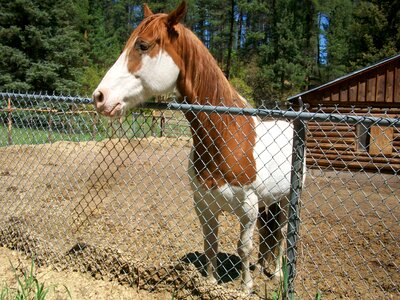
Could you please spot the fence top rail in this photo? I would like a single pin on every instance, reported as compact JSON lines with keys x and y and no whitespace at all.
{"x":46,"y":97}
{"x":279,"y":114}
{"x":261,"y":112}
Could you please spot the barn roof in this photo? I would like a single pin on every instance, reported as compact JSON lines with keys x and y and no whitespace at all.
{"x":354,"y":76}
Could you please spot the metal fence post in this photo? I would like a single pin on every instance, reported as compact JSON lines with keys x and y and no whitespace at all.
{"x":298,"y":158}
{"x":95,"y":125}
{"x":9,"y":122}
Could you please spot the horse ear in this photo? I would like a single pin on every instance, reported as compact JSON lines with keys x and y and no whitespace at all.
{"x":178,"y":14}
{"x":147,"y":11}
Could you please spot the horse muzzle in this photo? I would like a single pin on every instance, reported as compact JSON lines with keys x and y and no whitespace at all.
{"x":104,"y":106}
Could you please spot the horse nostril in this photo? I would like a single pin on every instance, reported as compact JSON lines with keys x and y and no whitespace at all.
{"x":98,"y":97}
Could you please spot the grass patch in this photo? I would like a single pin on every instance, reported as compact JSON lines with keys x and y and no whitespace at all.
{"x":24,"y":136}
{"x":282,"y":292}
{"x":33,"y":129}
{"x":28,"y":287}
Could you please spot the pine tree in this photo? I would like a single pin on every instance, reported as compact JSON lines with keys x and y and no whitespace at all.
{"x":375,"y":32}
{"x":269,"y":49}
{"x":282,"y":66}
{"x":339,"y":13}
{"x":41,"y":47}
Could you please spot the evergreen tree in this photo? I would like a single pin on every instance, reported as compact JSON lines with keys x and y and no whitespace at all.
{"x":41,"y":47}
{"x":358,"y":34}
{"x":375,"y":32}
{"x":111,"y":23}
{"x":283,"y":68}
{"x":339,"y":14}
{"x":269,"y":49}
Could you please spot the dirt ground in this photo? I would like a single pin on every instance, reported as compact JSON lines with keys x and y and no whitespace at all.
{"x":116,"y":218}
{"x":82,"y":286}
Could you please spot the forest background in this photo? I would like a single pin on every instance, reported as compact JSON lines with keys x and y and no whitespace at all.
{"x":268,"y":49}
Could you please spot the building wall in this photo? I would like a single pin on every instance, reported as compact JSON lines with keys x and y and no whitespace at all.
{"x":354,"y":147}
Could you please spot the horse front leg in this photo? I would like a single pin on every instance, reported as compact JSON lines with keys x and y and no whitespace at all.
{"x":210,"y":224}
{"x":248,"y":221}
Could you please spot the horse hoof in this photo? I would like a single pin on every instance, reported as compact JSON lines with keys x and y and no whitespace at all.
{"x":259,"y":269}
{"x":212,"y":280}
{"x":247,"y":289}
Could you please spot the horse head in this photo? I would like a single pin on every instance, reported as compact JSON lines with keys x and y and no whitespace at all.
{"x":148,"y":65}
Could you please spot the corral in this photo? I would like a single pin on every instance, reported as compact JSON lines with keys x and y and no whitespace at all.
{"x":121,"y":209}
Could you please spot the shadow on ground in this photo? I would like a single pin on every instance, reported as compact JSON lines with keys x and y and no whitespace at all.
{"x":229,"y":265}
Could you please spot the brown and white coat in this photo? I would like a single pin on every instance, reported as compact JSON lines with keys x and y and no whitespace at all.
{"x":238,"y":163}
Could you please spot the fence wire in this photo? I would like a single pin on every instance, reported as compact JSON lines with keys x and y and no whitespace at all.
{"x":113,"y":199}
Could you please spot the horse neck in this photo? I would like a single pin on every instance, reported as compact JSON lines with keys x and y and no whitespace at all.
{"x":201,"y":80}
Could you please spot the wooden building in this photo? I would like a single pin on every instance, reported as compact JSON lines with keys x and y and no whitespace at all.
{"x":373,"y":91}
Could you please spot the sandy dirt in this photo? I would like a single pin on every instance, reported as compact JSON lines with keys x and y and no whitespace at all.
{"x":117,"y":217}
{"x":13,"y":264}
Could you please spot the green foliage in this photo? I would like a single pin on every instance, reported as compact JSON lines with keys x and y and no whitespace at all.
{"x":28,"y":287}
{"x":41,"y":47}
{"x":269,"y":49}
{"x":318,"y":295}
{"x":373,"y":31}
{"x":282,"y":291}
{"x":243,"y":88}
{"x":90,"y":78}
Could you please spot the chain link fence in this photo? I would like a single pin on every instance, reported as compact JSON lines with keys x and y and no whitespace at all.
{"x":113,"y":199}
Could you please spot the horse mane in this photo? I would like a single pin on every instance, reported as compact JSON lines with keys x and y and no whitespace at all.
{"x":223,"y":142}
{"x":203,"y":81}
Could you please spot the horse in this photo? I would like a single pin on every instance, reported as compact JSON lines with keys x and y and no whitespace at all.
{"x":238,"y":163}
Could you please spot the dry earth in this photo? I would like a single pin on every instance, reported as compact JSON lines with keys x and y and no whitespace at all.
{"x":117,"y":217}
{"x":80,"y":285}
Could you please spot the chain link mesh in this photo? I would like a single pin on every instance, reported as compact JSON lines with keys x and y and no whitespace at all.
{"x":113,"y":199}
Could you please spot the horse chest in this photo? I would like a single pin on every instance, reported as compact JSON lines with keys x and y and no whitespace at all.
{"x":223,"y":149}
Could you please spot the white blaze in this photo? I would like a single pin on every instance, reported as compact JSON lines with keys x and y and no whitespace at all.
{"x":123,"y":90}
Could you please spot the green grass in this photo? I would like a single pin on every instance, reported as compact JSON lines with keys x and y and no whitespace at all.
{"x":22,"y":136}
{"x":139,"y":128}
{"x":28,"y":287}
{"x":33,"y":128}
{"x":282,"y":292}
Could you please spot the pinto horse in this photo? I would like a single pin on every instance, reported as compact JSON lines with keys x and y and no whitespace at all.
{"x":237,"y":164}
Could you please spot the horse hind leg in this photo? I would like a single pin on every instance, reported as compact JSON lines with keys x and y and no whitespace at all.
{"x":271,"y":247}
{"x":248,"y":220}
{"x":264,"y":233}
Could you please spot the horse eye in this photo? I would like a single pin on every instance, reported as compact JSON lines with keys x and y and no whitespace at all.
{"x":142,"y":46}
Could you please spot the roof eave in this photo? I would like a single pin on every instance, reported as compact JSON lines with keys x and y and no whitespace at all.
{"x":337,"y":80}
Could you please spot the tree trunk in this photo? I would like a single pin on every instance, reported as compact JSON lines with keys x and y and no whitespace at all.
{"x":240,"y":29}
{"x":230,"y":43}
